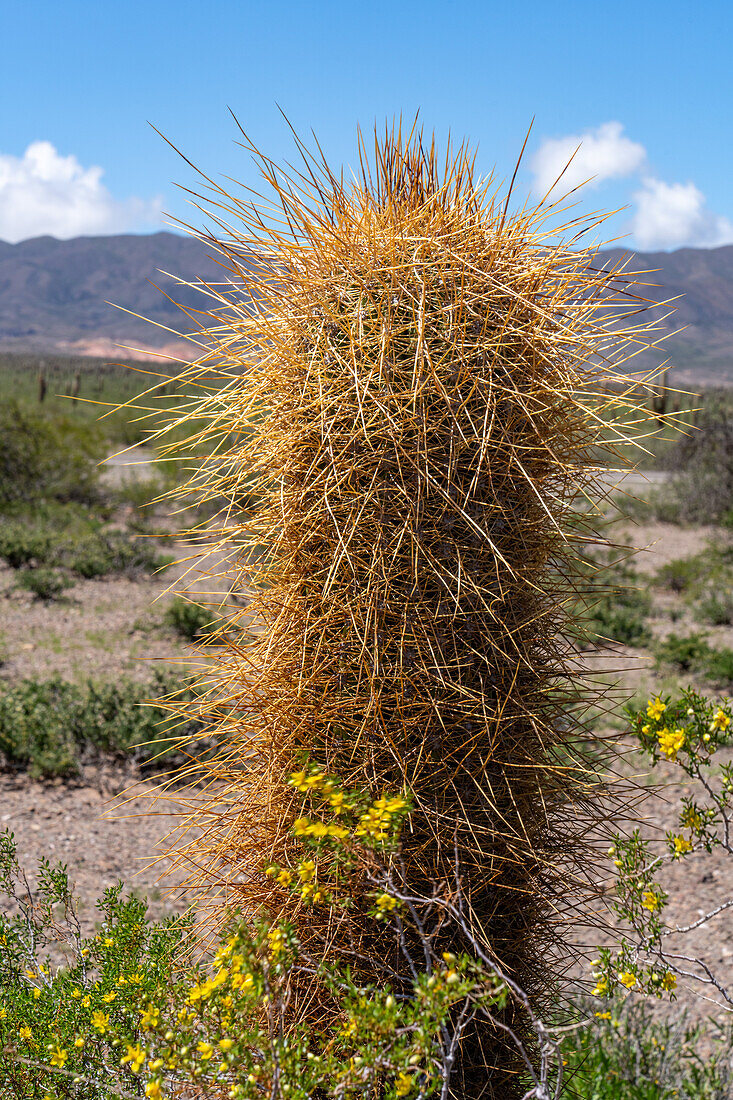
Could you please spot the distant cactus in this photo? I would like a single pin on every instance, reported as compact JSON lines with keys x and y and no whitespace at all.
{"x":660,"y":399}
{"x":410,"y":404}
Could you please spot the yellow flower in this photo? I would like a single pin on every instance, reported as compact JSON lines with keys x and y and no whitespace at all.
{"x":277,"y":942}
{"x":336,"y":801}
{"x":150,"y":1017}
{"x":601,"y":988}
{"x":603,"y":1015}
{"x":650,"y":901}
{"x":25,"y":1033}
{"x":307,"y":870}
{"x":100,"y":1020}
{"x":681,"y":845}
{"x":3,"y":1013}
{"x":385,"y":903}
{"x":284,"y":878}
{"x":76,"y":993}
{"x":200,"y":992}
{"x":108,"y":942}
{"x":152,"y":1091}
{"x":135,"y":1056}
{"x":36,"y":993}
{"x":226,"y":1044}
{"x":109,"y":997}
{"x":59,"y":1057}
{"x":242,"y":981}
{"x":627,"y":978}
{"x":656,"y":708}
{"x":671,"y":741}
{"x":669,"y":981}
{"x":79,"y":1042}
{"x":720,"y":721}
{"x":86,"y":1001}
{"x":404,"y":1084}
{"x":205,"y":1050}
{"x":300,"y":826}
{"x":690,"y":818}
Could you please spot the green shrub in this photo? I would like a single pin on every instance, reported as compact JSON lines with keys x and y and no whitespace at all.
{"x":702,"y":462}
{"x":684,"y":651}
{"x":71,"y":537}
{"x":47,"y":456}
{"x":718,"y":667}
{"x":692,"y":653}
{"x":682,"y":574}
{"x":190,"y":620}
{"x":615,"y":607}
{"x":49,"y":726}
{"x":631,"y":1055}
{"x":45,"y":584}
{"x":101,"y":554}
{"x":21,"y":544}
{"x":716,"y":608}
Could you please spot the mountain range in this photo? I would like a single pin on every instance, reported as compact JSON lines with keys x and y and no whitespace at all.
{"x":54,"y":295}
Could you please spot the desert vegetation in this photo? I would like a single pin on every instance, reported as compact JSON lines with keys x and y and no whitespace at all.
{"x":410,"y":787}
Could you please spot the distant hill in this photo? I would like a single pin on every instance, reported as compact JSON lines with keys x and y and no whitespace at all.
{"x":703,"y":353}
{"x":53,"y":296}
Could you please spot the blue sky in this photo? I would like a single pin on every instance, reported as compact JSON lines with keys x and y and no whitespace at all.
{"x":648,"y":86}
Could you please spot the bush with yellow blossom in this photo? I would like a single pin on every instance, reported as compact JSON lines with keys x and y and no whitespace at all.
{"x":127,"y":1013}
{"x":690,"y":732}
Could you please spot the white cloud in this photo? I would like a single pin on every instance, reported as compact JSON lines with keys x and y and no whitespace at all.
{"x":671,"y":215}
{"x":43,"y":192}
{"x":604,"y":153}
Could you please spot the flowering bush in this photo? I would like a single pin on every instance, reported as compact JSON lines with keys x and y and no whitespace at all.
{"x":690,"y":732}
{"x":127,"y":1012}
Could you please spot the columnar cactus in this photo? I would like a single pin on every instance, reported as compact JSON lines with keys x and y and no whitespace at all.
{"x":402,"y":420}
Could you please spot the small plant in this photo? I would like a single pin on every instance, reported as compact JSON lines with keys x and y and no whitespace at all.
{"x":716,"y":608}
{"x":689,"y":732}
{"x":126,"y":1013}
{"x":628,"y":1054}
{"x":47,"y":457}
{"x":682,"y":574}
{"x":49,"y":726}
{"x":619,"y":613}
{"x":101,"y":554}
{"x":188,"y":619}
{"x":702,"y":462}
{"x":45,"y":584}
{"x":22,"y":545}
{"x":692,"y":653}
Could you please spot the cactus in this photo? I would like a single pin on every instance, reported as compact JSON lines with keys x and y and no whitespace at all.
{"x":402,"y":422}
{"x":660,"y":399}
